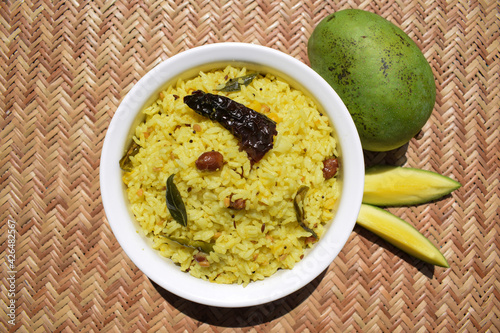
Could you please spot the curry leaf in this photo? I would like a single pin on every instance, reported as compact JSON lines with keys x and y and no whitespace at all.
{"x":175,"y":204}
{"x":235,"y":84}
{"x":195,"y":244}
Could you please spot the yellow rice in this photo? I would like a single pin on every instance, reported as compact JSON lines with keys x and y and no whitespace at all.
{"x":253,"y":243}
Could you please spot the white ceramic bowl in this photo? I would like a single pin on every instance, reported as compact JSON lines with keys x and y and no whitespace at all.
{"x":161,"y":270}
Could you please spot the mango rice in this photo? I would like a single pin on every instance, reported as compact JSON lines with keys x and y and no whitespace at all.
{"x":246,"y":244}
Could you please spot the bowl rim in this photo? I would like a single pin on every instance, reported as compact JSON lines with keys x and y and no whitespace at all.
{"x":161,"y":270}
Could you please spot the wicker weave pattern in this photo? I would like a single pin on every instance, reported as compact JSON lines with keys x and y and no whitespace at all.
{"x":66,"y":65}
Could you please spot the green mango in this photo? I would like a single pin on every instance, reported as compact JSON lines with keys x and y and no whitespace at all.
{"x":378,"y":71}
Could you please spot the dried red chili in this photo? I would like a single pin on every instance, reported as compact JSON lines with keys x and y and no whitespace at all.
{"x":254,"y":130}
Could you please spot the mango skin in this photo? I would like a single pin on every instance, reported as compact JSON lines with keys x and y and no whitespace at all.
{"x":380,"y":74}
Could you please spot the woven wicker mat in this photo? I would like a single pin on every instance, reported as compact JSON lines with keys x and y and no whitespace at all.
{"x":66,"y":65}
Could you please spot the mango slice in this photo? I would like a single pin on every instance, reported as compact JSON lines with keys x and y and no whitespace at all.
{"x":398,"y":186}
{"x":400,"y":234}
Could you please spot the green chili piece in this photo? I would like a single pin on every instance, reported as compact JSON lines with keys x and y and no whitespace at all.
{"x":125,"y":162}
{"x":298,"y":204}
